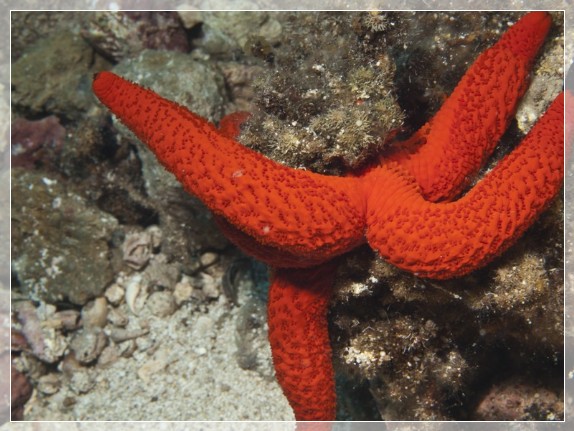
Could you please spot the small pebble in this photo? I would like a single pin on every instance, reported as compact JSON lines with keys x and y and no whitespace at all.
{"x":119,"y":335}
{"x":127,"y":348}
{"x":161,"y":304}
{"x":49,"y":384}
{"x":200,"y":351}
{"x":95,"y":313}
{"x":45,"y":339}
{"x":208,"y":258}
{"x":210,"y":286}
{"x":118,"y":318}
{"x":190,"y":18}
{"x":114,"y":294}
{"x":18,"y":341}
{"x":136,"y":293}
{"x":108,"y":356}
{"x":136,"y":249}
{"x":183,"y":291}
{"x":88,"y":344}
{"x":69,"y":365}
{"x":70,"y":319}
{"x":156,"y":236}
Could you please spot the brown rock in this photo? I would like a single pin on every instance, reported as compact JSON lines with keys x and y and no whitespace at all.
{"x":20,"y":393}
{"x":517,"y":400}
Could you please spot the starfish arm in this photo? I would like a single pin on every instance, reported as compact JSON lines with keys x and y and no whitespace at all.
{"x":451,"y":148}
{"x":299,"y":338}
{"x":230,"y":126}
{"x":445,"y":240}
{"x":303,"y":213}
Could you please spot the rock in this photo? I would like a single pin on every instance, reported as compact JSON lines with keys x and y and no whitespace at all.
{"x":36,"y":143}
{"x":210,"y":285}
{"x":95,"y":313}
{"x":301,"y":116}
{"x":136,"y":288}
{"x":54,"y":76}
{"x":239,"y":78}
{"x":88,"y":344}
{"x":59,"y":241}
{"x":196,"y":84}
{"x":18,"y":342}
{"x":136,"y":249}
{"x":161,"y":304}
{"x":118,"y":34}
{"x":190,"y":18}
{"x":183,"y":291}
{"x":119,"y":335}
{"x":21,"y":391}
{"x":516,"y":400}
{"x":106,"y":170}
{"x":118,"y":318}
{"x":208,"y":258}
{"x":160,"y":273}
{"x":226,"y":32}
{"x":156,"y":237}
{"x":70,"y":364}
{"x":49,"y":384}
{"x":108,"y":356}
{"x":251,"y":338}
{"x":114,"y":294}
{"x":45,"y":340}
{"x":28,"y":27}
{"x":545,"y":85}
{"x":88,"y":150}
{"x":127,"y":348}
{"x":69,"y":319}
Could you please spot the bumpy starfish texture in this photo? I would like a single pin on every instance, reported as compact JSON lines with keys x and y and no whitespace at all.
{"x":402,"y":205}
{"x":465,"y":131}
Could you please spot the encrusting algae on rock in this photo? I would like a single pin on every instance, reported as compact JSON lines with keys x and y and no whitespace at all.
{"x":317,"y":109}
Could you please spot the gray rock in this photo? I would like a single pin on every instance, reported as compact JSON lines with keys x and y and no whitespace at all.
{"x":59,"y":241}
{"x":87,"y":344}
{"x":226,"y":32}
{"x":54,"y":76}
{"x":121,"y":34}
{"x":46,"y":342}
{"x":161,"y":304}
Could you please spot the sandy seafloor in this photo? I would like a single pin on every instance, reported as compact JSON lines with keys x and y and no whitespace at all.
{"x":193,"y":375}
{"x":220,"y":390}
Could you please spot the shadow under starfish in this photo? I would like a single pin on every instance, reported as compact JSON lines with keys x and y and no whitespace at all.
{"x":300,"y":222}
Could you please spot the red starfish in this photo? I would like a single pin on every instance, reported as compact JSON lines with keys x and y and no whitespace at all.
{"x":291,"y":218}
